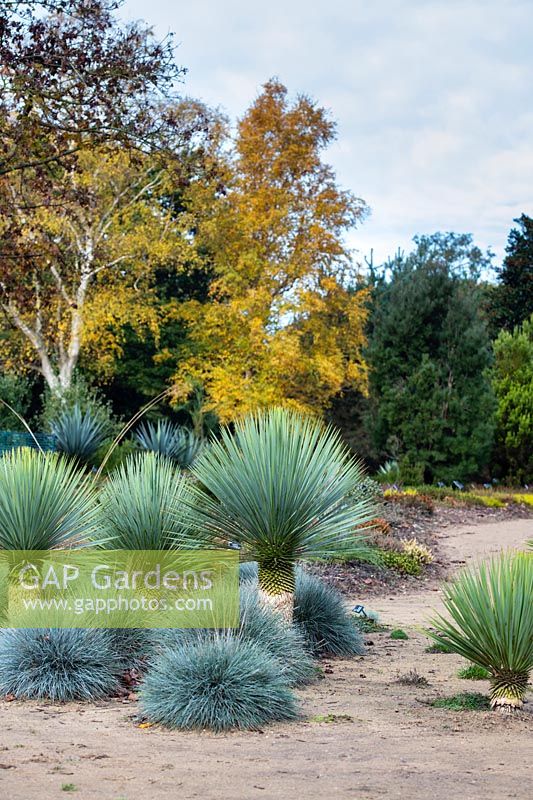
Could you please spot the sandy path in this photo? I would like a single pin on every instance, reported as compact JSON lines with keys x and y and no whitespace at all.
{"x":385,"y":739}
{"x":460,"y":546}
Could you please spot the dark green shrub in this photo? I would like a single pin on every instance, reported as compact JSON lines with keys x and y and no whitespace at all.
{"x":473,"y":672}
{"x":398,"y":634}
{"x":16,"y":391}
{"x":468,"y":701}
{"x":119,"y":455}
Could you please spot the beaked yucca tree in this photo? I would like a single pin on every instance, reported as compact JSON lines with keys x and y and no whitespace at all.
{"x":173,"y":441}
{"x":45,"y":502}
{"x":281,"y":486}
{"x":142,"y":503}
{"x":492,"y":623}
{"x":79,"y":433}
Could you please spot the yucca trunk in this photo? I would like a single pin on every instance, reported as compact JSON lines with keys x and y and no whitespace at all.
{"x":276,"y":587}
{"x":507,"y":690}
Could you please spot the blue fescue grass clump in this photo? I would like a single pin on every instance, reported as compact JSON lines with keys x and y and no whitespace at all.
{"x":219,"y":682}
{"x":284,"y":642}
{"x":321,"y":615}
{"x":57,"y":663}
{"x":131,"y":645}
{"x":248,"y":571}
{"x":258,"y":623}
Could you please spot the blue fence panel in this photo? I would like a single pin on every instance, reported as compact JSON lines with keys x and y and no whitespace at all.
{"x":11,"y":440}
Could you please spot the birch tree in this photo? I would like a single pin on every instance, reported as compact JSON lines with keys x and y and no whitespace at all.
{"x":81,"y":258}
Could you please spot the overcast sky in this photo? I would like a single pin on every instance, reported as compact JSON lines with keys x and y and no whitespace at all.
{"x":433,"y":98}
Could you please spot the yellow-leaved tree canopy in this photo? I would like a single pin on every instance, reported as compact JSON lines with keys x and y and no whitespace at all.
{"x":284,"y":320}
{"x":80,"y":248}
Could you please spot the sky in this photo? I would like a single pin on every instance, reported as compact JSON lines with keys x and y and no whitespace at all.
{"x":433,"y":99}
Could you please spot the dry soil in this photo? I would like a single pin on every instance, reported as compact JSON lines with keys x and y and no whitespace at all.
{"x":362,"y":735}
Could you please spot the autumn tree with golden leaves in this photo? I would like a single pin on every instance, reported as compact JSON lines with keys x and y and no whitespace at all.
{"x":284,"y":322}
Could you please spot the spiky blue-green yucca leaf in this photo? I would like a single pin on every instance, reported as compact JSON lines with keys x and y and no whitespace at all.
{"x":491,"y":625}
{"x":220,"y":682}
{"x":78,"y":433}
{"x":281,"y":485}
{"x":320,"y":613}
{"x":57,"y":663}
{"x":142,"y":504}
{"x":173,"y":441}
{"x":45,"y":502}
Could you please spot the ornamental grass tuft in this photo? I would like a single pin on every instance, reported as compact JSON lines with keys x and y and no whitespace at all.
{"x":280,"y":639}
{"x":219,"y":682}
{"x":57,"y":663}
{"x":321,"y":615}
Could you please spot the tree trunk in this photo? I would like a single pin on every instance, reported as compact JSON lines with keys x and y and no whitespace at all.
{"x":276,"y":588}
{"x":507,"y":690}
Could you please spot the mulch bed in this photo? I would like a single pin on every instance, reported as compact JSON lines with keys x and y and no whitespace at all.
{"x":407,"y":522}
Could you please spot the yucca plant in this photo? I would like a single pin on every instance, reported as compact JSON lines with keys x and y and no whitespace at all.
{"x":79,"y":434}
{"x":492,"y":623}
{"x":45,"y":502}
{"x":281,"y":486}
{"x":142,"y":504}
{"x":173,"y":441}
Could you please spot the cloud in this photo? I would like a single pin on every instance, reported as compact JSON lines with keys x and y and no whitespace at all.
{"x":432,"y":98}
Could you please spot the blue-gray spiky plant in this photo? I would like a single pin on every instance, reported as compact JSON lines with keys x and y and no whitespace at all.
{"x":219,"y":682}
{"x":57,"y":663}
{"x":45,"y":502}
{"x":282,"y":486}
{"x":173,"y":441}
{"x":142,"y":504}
{"x":79,"y":433}
{"x":320,"y":613}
